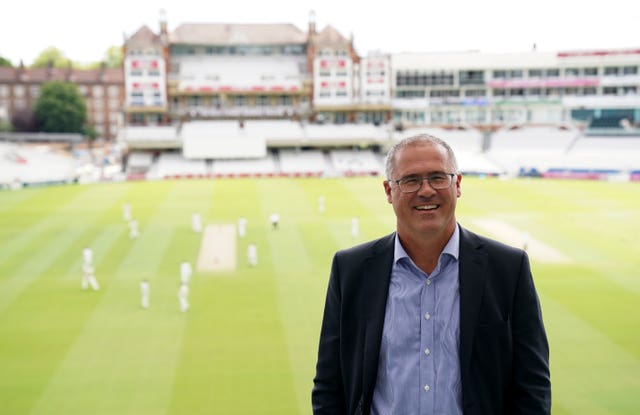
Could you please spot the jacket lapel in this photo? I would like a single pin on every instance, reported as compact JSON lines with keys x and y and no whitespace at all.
{"x":472,"y":275}
{"x":377,"y":274}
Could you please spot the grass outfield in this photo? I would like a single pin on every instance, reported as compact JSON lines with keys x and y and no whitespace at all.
{"x":248,"y":344}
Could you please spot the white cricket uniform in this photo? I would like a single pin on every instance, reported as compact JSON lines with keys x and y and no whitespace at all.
{"x":355,"y":227}
{"x":183,"y":297}
{"x":185,"y":272}
{"x":242,"y":227}
{"x":145,"y":294}
{"x":133,"y":229}
{"x":89,"y":278}
{"x":252,"y":254}
{"x":87,"y":255}
{"x":196,"y":223}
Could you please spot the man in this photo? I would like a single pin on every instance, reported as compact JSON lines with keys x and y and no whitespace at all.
{"x":133,"y":229}
{"x":87,"y":255}
{"x":252,"y":254}
{"x":432,"y":319}
{"x":242,"y":227}
{"x":183,"y":296}
{"x":355,"y":227}
{"x":145,"y":293}
{"x":185,"y":272}
{"x":196,"y":223}
{"x":275,"y":219}
{"x":88,"y":277}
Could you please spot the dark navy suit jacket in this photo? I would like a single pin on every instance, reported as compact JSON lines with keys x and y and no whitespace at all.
{"x":504,"y":354}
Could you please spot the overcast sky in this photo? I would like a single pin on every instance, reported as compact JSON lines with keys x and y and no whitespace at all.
{"x":84,"y":30}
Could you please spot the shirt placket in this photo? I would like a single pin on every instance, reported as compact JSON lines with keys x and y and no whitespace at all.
{"x":427,"y":338}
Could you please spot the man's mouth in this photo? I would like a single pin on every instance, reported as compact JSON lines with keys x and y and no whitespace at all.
{"x":426,"y":207}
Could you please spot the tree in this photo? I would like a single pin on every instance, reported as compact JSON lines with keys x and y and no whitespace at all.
{"x":60,"y":108}
{"x":113,"y":57}
{"x":51,"y":56}
{"x":5,"y":62}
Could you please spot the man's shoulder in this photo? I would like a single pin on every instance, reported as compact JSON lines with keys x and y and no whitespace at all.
{"x":371,"y":247}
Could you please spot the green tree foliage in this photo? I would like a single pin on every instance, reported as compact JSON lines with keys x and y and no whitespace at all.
{"x":5,"y":62}
{"x":113,"y":57}
{"x":60,"y":108}
{"x":51,"y":55}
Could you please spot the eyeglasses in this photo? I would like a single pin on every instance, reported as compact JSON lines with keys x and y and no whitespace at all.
{"x":412,"y":184}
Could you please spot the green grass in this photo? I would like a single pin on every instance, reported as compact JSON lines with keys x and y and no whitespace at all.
{"x":248,"y":344}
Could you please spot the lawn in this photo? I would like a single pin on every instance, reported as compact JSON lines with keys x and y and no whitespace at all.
{"x":248,"y":343}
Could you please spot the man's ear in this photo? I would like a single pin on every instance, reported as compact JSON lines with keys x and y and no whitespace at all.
{"x":387,"y":190}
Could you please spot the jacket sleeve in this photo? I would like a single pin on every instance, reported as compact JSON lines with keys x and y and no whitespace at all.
{"x":531,"y":376}
{"x":327,"y":396}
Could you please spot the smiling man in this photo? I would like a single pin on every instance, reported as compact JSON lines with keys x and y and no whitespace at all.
{"x":431,"y":319}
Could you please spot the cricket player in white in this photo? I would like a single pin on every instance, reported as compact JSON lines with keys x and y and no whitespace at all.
{"x":185,"y":272}
{"x":355,"y":227}
{"x":242,"y":227}
{"x":274,"y":218}
{"x":126,"y":212}
{"x":145,"y":293}
{"x":321,"y":207}
{"x":183,"y":297}
{"x":88,"y":277}
{"x":87,"y":255}
{"x":133,"y":229}
{"x":252,"y":254}
{"x":196,"y":223}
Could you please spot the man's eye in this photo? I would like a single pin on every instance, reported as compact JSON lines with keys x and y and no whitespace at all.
{"x":410,"y":181}
{"x":437,"y":178}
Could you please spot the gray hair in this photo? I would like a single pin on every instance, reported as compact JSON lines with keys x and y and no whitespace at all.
{"x":420,"y":139}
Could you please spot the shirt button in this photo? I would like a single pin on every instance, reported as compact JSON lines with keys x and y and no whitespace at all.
{"x":427,"y":351}
{"x":427,"y":316}
{"x":427,"y":388}
{"x":428,"y":282}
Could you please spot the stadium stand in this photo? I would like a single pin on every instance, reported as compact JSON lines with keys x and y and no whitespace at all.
{"x":174,"y":166}
{"x":303,"y":163}
{"x":244,"y":167}
{"x":354,"y":163}
{"x":26,"y":165}
{"x":532,"y":150}
{"x":467,"y":144}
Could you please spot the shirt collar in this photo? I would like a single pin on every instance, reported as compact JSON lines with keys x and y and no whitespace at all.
{"x":452,"y":247}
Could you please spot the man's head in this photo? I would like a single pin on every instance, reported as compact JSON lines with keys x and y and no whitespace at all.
{"x":423,"y":184}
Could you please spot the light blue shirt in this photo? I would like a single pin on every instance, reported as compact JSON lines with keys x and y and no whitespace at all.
{"x":419,"y":367}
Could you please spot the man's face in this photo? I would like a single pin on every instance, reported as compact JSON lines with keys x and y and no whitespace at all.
{"x":427,"y":212}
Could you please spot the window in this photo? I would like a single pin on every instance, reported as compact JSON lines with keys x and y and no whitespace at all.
{"x":553,"y":73}
{"x":285,"y":100}
{"x":591,"y":71}
{"x":611,"y":70}
{"x":535,"y":73}
{"x":610,"y":90}
{"x":498,"y":92}
{"x":499,"y":74}
{"x":629,"y":70}
{"x":475,"y":93}
{"x":97,"y":90}
{"x":471,"y":77}
{"x":572,"y":72}
{"x":4,"y":90}
{"x":18,"y":90}
{"x":113,"y":90}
